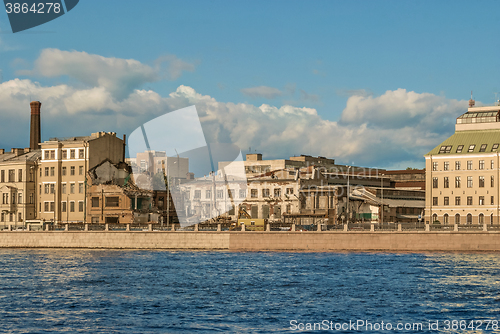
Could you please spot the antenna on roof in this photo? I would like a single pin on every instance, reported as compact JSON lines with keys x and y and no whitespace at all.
{"x":471,"y":101}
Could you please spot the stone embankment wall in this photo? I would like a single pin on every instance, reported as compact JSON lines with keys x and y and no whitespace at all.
{"x":258,"y":241}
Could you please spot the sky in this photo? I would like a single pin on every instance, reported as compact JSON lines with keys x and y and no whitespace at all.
{"x":369,"y":83}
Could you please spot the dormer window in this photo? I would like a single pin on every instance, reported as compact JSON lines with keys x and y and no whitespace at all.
{"x":460,"y":148}
{"x":471,"y":148}
{"x":483,"y":148}
{"x":445,"y":149}
{"x":495,"y":147}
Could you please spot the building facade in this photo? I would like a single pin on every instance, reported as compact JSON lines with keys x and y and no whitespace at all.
{"x":62,"y":173}
{"x":17,"y":186}
{"x":462,"y":173}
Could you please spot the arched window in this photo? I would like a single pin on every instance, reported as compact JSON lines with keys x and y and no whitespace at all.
{"x":457,"y":218}
{"x":491,"y":219}
{"x":469,"y":218}
{"x":434,"y":217}
{"x":481,"y":218}
{"x":445,"y":218}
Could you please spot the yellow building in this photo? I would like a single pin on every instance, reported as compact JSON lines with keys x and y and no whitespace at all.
{"x":17,"y":186}
{"x":62,"y":173}
{"x":462,"y":173}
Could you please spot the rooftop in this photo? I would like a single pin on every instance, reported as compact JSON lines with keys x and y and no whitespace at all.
{"x":469,"y":142}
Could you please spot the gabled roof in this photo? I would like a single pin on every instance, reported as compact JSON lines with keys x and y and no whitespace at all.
{"x":468,"y":138}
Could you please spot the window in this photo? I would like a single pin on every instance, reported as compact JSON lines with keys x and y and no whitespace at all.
{"x":469,"y":218}
{"x":277,"y":192}
{"x":243,"y":193}
{"x":481,"y":218}
{"x":481,"y":200}
{"x":80,"y":206}
{"x":112,"y":202}
{"x":483,"y":148}
{"x":80,"y":170}
{"x":434,"y":182}
{"x":469,"y":181}
{"x":492,"y":200}
{"x":434,"y":201}
{"x":46,"y":171}
{"x":95,"y":202}
{"x":471,"y":148}
{"x":220,"y":194}
{"x":494,"y":147}
{"x":445,"y":149}
{"x":265,"y":192}
{"x":52,"y":188}
{"x":457,"y":181}
{"x":446,"y":182}
{"x":47,"y":155}
{"x":435,"y":166}
{"x":457,"y":218}
{"x":446,"y":201}
{"x":197,"y":194}
{"x":2,"y":175}
{"x":20,"y":175}
{"x":289,"y":191}
{"x":5,"y":198}
{"x":481,"y":164}
{"x":446,"y":165}
{"x":13,"y":198}
{"x":63,"y":206}
{"x":457,"y":165}
{"x":72,"y":156}
{"x":71,"y":206}
{"x":491,"y":219}
{"x":2,"y":217}
{"x":469,"y":200}
{"x":492,"y":164}
{"x":20,"y":199}
{"x":460,"y":148}
{"x":72,"y":170}
{"x":434,"y":217}
{"x":12,"y":175}
{"x":52,"y":171}
{"x":445,"y":218}
{"x":457,"y":200}
{"x":63,"y":188}
{"x":253,"y":193}
{"x":232,"y":194}
{"x":64,"y":154}
{"x":80,"y":188}
{"x":31,"y":198}
{"x":81,"y":154}
{"x":208,"y":194}
{"x":72,"y":188}
{"x":469,"y":164}
{"x":47,"y":188}
{"x":492,"y":181}
{"x":49,"y":206}
{"x":481,"y":182}
{"x":63,"y":171}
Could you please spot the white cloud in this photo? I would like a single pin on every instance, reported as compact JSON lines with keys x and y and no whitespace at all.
{"x":262,"y":91}
{"x":117,"y":76}
{"x":386,"y":130}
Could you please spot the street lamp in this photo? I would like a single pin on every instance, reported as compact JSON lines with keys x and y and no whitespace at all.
{"x":382,"y":199}
{"x":348,"y":172}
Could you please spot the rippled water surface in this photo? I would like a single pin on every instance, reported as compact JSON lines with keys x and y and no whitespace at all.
{"x":108,"y":291}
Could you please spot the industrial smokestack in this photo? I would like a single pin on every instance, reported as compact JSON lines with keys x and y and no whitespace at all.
{"x":35,"y":133}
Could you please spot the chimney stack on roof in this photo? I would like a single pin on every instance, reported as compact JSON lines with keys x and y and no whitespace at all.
{"x":35,"y":132}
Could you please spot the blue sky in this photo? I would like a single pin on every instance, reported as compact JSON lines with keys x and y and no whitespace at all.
{"x":374,"y":83}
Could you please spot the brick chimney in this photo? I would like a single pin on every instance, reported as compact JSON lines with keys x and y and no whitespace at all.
{"x":35,"y":133}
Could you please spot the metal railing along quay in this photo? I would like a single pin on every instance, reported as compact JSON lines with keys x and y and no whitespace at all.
{"x":269,"y":227}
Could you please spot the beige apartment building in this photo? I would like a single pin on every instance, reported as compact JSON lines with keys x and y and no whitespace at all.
{"x":462,"y":178}
{"x":62,"y":173}
{"x":17,"y":186}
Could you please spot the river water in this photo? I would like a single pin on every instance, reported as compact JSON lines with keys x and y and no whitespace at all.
{"x":115,"y":291}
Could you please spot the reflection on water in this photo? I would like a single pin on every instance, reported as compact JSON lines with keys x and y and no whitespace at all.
{"x":108,"y":291}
